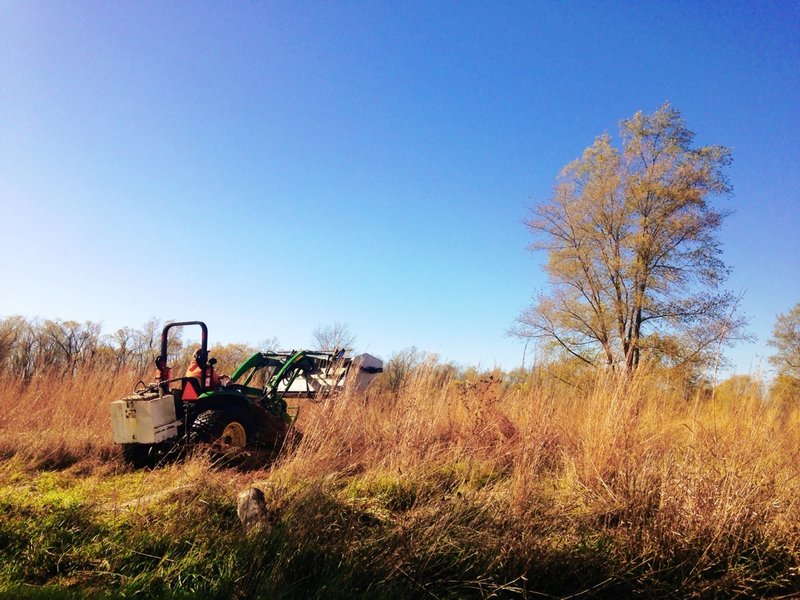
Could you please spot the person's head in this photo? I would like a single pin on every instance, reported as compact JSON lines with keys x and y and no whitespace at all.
{"x":198,"y":358}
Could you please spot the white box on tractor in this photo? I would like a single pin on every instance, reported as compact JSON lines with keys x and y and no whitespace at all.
{"x":137,"y":420}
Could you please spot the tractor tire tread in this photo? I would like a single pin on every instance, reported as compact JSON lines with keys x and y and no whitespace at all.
{"x":209,"y":425}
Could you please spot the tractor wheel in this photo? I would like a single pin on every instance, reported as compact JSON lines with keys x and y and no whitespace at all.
{"x":225,"y":429}
{"x":137,"y":455}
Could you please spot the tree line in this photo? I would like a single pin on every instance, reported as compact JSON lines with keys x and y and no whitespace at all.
{"x":66,"y":347}
{"x":29,"y":346}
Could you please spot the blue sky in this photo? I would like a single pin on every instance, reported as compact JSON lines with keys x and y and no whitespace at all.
{"x":271,"y":167}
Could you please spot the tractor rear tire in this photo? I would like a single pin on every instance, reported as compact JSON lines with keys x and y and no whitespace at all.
{"x":137,"y":455}
{"x":225,"y":429}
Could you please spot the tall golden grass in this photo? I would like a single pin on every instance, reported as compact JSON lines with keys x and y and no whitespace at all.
{"x":56,"y":419}
{"x":671,"y":491}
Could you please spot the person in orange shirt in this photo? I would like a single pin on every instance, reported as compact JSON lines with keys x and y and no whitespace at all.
{"x":196,"y":371}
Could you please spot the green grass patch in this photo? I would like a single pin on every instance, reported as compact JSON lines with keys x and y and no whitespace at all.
{"x":449,"y":531}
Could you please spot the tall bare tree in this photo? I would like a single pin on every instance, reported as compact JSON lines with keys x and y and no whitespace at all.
{"x":632,"y":253}
{"x":333,"y":337}
{"x":121,"y":343}
{"x":20,"y":341}
{"x":69,"y":343}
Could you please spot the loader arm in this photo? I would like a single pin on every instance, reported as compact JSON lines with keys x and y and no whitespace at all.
{"x":288,"y":372}
{"x":287,"y":367}
{"x":255,"y":362}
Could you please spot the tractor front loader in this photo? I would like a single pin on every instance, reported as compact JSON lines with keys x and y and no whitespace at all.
{"x":248,"y":410}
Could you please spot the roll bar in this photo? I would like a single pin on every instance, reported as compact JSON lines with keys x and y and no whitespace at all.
{"x":202,"y":358}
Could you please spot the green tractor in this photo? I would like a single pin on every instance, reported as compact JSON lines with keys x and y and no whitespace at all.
{"x":246,"y":411}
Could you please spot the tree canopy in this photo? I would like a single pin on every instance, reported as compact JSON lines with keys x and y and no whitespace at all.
{"x":786,"y":341}
{"x":633,"y":257}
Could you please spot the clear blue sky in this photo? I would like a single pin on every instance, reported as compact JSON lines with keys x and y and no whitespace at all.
{"x":273,"y":166}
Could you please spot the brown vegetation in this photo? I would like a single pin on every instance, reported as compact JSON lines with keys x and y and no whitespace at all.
{"x":473,"y":484}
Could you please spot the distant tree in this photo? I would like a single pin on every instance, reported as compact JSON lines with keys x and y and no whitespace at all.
{"x":122,"y":343}
{"x":146,"y":345}
{"x":10,"y":331}
{"x":333,"y":337}
{"x":69,"y":343}
{"x":632,"y":253}
{"x":230,"y":356}
{"x":268,"y":345}
{"x":785,"y":388}
{"x":786,"y":341}
{"x":400,"y":366}
{"x":21,"y":345}
{"x":738,"y":387}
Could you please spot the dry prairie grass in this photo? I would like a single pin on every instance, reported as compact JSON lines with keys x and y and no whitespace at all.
{"x":54,"y":420}
{"x":479,"y":488}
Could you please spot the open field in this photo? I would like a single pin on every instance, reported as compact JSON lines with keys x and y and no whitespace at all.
{"x":431,"y":487}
